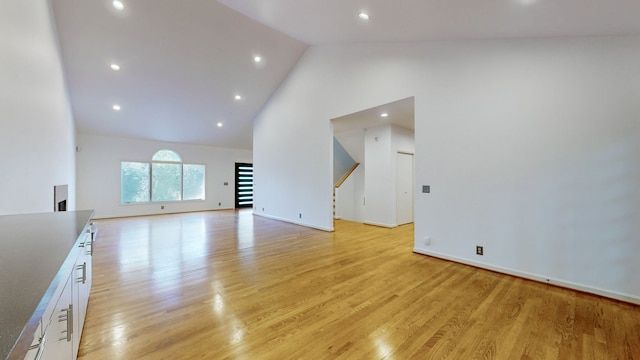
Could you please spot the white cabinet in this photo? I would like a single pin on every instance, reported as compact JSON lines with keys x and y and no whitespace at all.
{"x":60,"y":330}
{"x":81,"y":288}
{"x":37,"y":345}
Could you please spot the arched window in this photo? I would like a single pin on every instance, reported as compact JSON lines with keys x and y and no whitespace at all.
{"x":166,"y":155}
{"x":166,"y":178}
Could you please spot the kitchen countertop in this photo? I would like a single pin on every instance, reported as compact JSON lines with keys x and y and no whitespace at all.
{"x":33,"y":249}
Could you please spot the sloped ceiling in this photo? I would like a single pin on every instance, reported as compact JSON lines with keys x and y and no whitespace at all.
{"x":181,"y":65}
{"x":183,"y":61}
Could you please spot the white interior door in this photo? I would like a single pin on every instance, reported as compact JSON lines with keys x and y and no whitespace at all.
{"x":404,"y":188}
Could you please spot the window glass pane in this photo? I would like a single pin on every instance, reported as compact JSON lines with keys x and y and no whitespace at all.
{"x":193,"y":182}
{"x":167,"y":182}
{"x":166,"y":155}
{"x":134,"y":182}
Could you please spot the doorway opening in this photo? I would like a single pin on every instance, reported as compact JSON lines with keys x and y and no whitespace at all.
{"x":381,"y":139}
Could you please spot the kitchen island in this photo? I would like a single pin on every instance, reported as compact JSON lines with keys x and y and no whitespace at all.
{"x":45,"y":261}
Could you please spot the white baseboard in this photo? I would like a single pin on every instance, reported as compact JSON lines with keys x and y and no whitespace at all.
{"x":390,"y":226}
{"x":557,"y":282}
{"x":292,"y":221}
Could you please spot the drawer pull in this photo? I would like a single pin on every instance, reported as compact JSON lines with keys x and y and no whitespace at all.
{"x":83,"y":278}
{"x":68,"y":317}
{"x":40,"y":347}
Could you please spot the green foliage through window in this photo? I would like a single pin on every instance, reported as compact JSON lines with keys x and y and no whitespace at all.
{"x":166,"y":178}
{"x":135,"y":181}
{"x":166,"y":183}
{"x":193,"y":177}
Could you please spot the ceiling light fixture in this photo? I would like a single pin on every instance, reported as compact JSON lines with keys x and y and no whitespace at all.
{"x":363,"y":15}
{"x":116,"y":107}
{"x":219,"y":124}
{"x":384,"y":115}
{"x":118,"y":4}
{"x":257,"y":59}
{"x":115,"y":67}
{"x":238,"y":97}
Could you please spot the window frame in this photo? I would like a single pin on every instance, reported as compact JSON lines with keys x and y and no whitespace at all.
{"x":150,"y":176}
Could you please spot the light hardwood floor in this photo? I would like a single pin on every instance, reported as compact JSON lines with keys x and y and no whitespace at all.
{"x":228,"y":285}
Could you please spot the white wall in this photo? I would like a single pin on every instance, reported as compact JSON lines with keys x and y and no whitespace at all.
{"x":353,"y":143}
{"x":402,"y":141}
{"x":342,"y":161}
{"x":379,"y":178}
{"x":531,"y":149}
{"x":98,"y":180}
{"x":36,"y":125}
{"x":382,"y":144}
{"x":350,"y":197}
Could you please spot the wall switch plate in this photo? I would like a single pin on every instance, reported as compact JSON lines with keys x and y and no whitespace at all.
{"x":426,"y":189}
{"x":226,"y":183}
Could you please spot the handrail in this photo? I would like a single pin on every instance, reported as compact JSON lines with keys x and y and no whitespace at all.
{"x":346,"y":175}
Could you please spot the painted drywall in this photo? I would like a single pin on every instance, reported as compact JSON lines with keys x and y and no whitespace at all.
{"x":379,"y":177}
{"x":342,"y":161}
{"x":531,"y":149}
{"x":37,"y":131}
{"x":99,"y":159}
{"x":381,"y":144}
{"x":402,"y":141}
{"x":353,"y":143}
{"x":350,"y":197}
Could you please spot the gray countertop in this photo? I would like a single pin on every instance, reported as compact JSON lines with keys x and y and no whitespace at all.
{"x":33,"y":248}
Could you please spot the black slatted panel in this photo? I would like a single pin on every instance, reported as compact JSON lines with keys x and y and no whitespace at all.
{"x":244,"y":185}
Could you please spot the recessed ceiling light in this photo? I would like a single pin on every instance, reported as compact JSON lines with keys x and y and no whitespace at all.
{"x":118,"y":4}
{"x":257,"y":58}
{"x":219,"y":124}
{"x":363,"y":15}
{"x":384,"y":115}
{"x":238,"y":97}
{"x":116,"y":107}
{"x":115,"y":67}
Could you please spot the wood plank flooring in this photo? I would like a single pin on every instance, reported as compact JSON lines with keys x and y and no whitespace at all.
{"x":228,"y":285}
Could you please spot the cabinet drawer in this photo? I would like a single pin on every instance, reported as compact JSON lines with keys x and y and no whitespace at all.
{"x":37,"y":345}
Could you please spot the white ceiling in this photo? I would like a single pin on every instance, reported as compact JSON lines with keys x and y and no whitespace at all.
{"x":182,"y":61}
{"x":399,"y":113}
{"x":349,"y":129}
{"x":335,"y":21}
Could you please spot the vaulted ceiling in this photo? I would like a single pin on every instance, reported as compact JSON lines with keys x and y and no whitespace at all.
{"x":182,"y":62}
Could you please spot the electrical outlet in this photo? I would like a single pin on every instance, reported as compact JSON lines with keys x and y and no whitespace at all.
{"x":427,"y":240}
{"x":219,"y":204}
{"x":300,"y":215}
{"x":479,"y":250}
{"x":161,"y":207}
